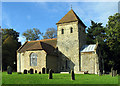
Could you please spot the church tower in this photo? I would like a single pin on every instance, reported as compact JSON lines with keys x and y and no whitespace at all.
{"x":70,"y":38}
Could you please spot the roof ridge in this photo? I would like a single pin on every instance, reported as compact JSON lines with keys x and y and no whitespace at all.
{"x":42,"y":40}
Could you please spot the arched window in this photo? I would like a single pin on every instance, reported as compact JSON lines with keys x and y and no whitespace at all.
{"x":71,"y":30}
{"x":33,"y":59}
{"x":62,"y":31}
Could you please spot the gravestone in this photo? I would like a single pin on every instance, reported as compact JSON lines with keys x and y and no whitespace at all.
{"x":72,"y":75}
{"x":25,"y":71}
{"x":50,"y":74}
{"x":43,"y":70}
{"x":39,"y":72}
{"x":35,"y":71}
{"x":9,"y":70}
{"x":31,"y":71}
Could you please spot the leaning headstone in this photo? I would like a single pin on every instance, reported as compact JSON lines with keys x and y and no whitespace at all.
{"x":39,"y":72}
{"x":35,"y":71}
{"x":25,"y":71}
{"x":9,"y":70}
{"x":43,"y":70}
{"x":50,"y":74}
{"x":31,"y":71}
{"x":72,"y":75}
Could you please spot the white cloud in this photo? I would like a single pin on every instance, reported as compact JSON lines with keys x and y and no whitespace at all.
{"x":21,"y":39}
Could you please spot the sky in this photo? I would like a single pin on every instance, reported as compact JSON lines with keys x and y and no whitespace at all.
{"x":21,"y":16}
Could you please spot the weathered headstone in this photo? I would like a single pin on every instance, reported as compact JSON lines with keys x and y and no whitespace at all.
{"x":50,"y":74}
{"x":35,"y":71}
{"x":25,"y":71}
{"x":9,"y":70}
{"x":43,"y":70}
{"x":72,"y":75}
{"x":31,"y":71}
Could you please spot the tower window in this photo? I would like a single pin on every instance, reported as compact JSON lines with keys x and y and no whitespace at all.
{"x":62,"y":31}
{"x":71,"y":30}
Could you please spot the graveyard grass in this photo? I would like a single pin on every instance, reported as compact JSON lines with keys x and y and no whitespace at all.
{"x":16,"y":78}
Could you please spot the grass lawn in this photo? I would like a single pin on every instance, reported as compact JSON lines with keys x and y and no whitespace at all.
{"x":16,"y":78}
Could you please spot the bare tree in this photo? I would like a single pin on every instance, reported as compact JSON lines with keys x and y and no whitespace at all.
{"x":50,"y":33}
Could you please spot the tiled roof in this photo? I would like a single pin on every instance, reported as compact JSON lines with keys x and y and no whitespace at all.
{"x":88,"y":48}
{"x":69,"y":17}
{"x":47,"y":45}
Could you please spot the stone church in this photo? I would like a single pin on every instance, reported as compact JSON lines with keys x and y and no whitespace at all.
{"x":62,"y":54}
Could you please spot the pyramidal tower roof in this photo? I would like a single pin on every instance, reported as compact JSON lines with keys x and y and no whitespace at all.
{"x":70,"y":17}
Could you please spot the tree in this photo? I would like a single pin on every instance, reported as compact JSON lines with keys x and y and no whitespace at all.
{"x":95,"y":33}
{"x":10,"y":45}
{"x":50,"y":33}
{"x":113,"y":39}
{"x":9,"y":32}
{"x":32,"y":34}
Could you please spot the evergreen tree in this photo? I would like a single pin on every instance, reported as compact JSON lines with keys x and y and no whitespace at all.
{"x":10,"y":45}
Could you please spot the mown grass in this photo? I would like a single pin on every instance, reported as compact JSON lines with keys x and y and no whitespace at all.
{"x":16,"y":78}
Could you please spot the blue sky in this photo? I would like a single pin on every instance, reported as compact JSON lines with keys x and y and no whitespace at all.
{"x":42,"y":15}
